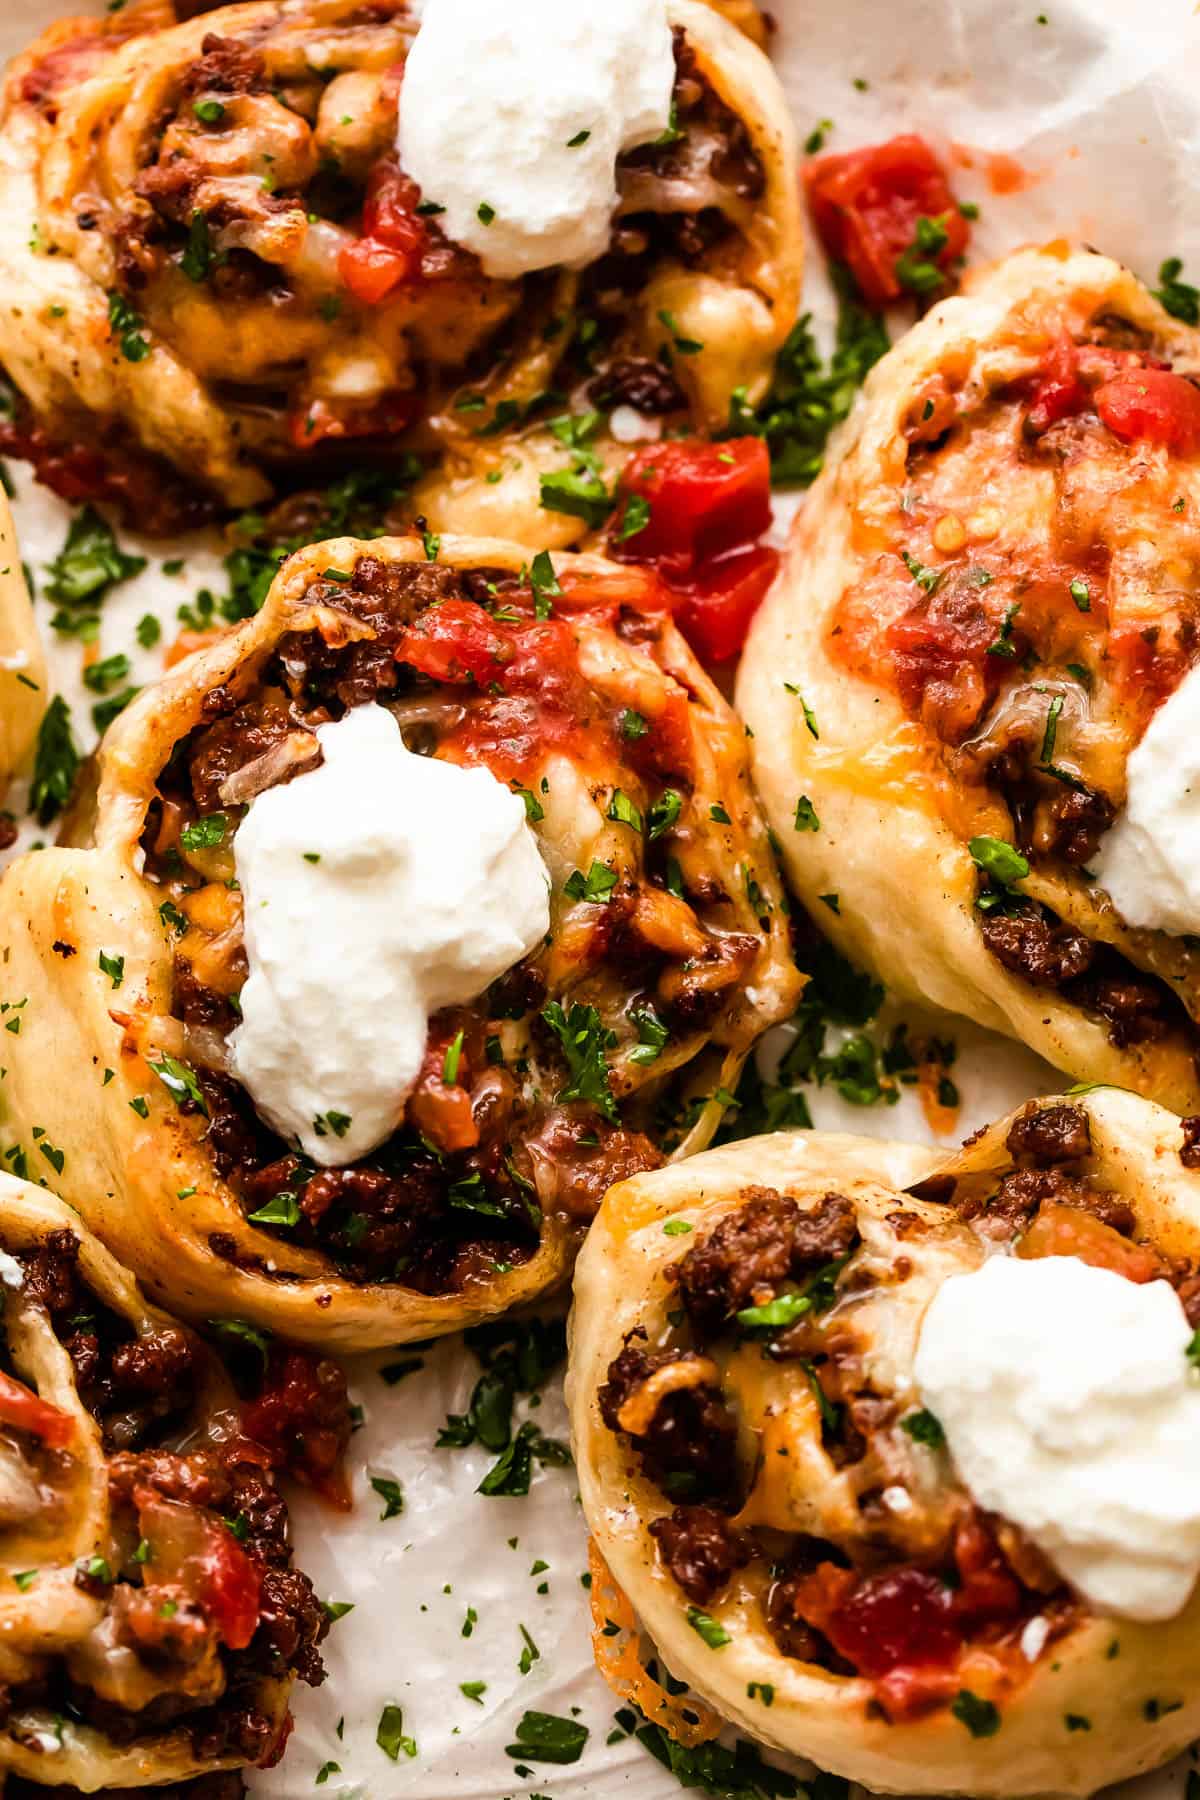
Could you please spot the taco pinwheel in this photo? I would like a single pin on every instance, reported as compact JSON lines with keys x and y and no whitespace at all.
{"x":987,"y":603}
{"x":621,"y":1030}
{"x":208,"y":214}
{"x":763,"y":1477}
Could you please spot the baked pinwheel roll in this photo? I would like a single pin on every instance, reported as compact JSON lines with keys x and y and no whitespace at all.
{"x":153,"y":1625}
{"x":971,"y":691}
{"x":22,"y":667}
{"x":211,"y":216}
{"x":417,"y":911}
{"x":894,"y":1458}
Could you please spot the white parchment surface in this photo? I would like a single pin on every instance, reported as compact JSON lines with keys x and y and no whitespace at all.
{"x":1087,"y":117}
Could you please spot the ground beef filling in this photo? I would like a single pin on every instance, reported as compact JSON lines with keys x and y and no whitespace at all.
{"x":708,"y":144}
{"x":144,"y":1392}
{"x":745,"y":1259}
{"x":687,"y":1446}
{"x":1049,"y":1204}
{"x":1048,"y":953}
{"x":903,"y":1624}
{"x":431,"y":1216}
{"x":136,"y":1387}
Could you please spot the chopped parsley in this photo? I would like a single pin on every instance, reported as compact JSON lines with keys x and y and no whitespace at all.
{"x":199,"y":259}
{"x":806,"y":817}
{"x":807,"y":398}
{"x":664,"y":813}
{"x":281,"y":1209}
{"x":578,"y":492}
{"x":622,"y":811}
{"x":1177,"y":297}
{"x":735,"y":1774}
{"x":179,"y":1082}
{"x":1002,"y":644}
{"x":452,"y":1058}
{"x":102,"y":675}
{"x":917,"y":269}
{"x":390,"y":1734}
{"x":928,"y":580}
{"x":707,"y":1628}
{"x":979,"y":1716}
{"x":1053,"y":713}
{"x":584,"y":1039}
{"x":392,"y":1495}
{"x":544,"y":1737}
{"x":544,"y":583}
{"x":635,"y":516}
{"x":56,"y":762}
{"x":998,"y":859}
{"x":924,"y":1428}
{"x":510,"y":1476}
{"x":113,"y":967}
{"x":653,"y":1035}
{"x":596,"y":886}
{"x":88,"y":565}
{"x":784,"y":1310}
{"x":205,"y":833}
{"x":1081,"y":594}
{"x":127,"y":326}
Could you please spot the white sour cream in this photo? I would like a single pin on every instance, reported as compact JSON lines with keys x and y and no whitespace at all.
{"x":1070,"y":1407}
{"x":377,"y":888}
{"x":512,"y":119}
{"x":1150,"y":860}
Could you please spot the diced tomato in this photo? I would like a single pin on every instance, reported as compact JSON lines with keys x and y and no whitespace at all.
{"x":899,"y":1618}
{"x":302,"y":1420}
{"x":704,"y":499}
{"x":718,"y":603}
{"x":1073,"y":376}
{"x":1069,"y":1231}
{"x":457,"y":641}
{"x":1059,"y":391}
{"x":866,"y":203}
{"x":1154,"y":405}
{"x":440,"y":1108}
{"x":191,"y":1550}
{"x":393,"y":237}
{"x":371,"y":270}
{"x":21,"y":1408}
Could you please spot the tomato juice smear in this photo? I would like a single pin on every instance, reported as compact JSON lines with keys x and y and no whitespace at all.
{"x":524,"y":691}
{"x":947,"y":628}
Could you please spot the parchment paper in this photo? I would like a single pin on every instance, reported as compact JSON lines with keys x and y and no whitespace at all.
{"x":1089,"y":114}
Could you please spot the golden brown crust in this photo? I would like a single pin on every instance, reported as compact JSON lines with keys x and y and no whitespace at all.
{"x":52,"y":1616}
{"x":138,"y":1169}
{"x":895,"y":814}
{"x":833,"y":1718}
{"x":202,"y":394}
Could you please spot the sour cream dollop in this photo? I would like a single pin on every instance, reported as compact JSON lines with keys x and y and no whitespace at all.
{"x":1150,"y":860}
{"x":1070,"y":1407}
{"x":377,"y":888}
{"x":512,"y":119}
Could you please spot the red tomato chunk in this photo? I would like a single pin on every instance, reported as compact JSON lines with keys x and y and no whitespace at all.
{"x":866,"y":203}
